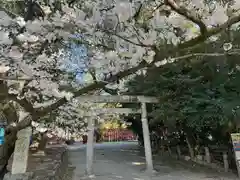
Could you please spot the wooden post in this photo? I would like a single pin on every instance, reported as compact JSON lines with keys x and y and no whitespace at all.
{"x":236,"y":143}
{"x":238,"y":165}
{"x":146,"y":137}
{"x":178,"y":151}
{"x":207,"y":155}
{"x":191,"y":152}
{"x":20,"y":156}
{"x":225,"y":161}
{"x":89,"y":149}
{"x":169,"y":150}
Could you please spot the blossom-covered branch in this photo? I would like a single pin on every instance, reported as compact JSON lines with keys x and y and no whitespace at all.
{"x":129,"y":41}
{"x":112,"y":45}
{"x":190,"y":15}
{"x":211,"y":32}
{"x":189,"y":44}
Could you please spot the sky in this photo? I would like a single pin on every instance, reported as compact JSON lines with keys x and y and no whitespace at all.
{"x":76,"y":63}
{"x":76,"y":60}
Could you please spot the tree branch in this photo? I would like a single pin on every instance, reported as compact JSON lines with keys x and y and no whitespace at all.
{"x":91,"y":87}
{"x":137,"y":13}
{"x":211,"y":32}
{"x":85,"y":42}
{"x":21,"y":125}
{"x":107,"y":90}
{"x":11,"y":14}
{"x":155,"y":9}
{"x":22,"y":102}
{"x":188,"y":44}
{"x":15,"y":78}
{"x":110,"y":91}
{"x":93,"y":74}
{"x":174,"y":59}
{"x":36,"y":113}
{"x":187,"y":14}
{"x":129,"y":41}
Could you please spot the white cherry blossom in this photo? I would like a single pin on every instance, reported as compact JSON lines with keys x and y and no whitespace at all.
{"x":115,"y":36}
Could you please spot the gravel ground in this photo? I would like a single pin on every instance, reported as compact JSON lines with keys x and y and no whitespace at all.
{"x":69,"y":173}
{"x":125,"y":162}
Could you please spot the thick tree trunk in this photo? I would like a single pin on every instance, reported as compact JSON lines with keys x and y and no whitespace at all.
{"x":6,"y":151}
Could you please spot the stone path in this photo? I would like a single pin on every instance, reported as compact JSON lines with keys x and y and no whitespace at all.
{"x":124,"y":161}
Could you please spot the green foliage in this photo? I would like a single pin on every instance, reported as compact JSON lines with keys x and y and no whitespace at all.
{"x":200,"y":93}
{"x":13,"y":7}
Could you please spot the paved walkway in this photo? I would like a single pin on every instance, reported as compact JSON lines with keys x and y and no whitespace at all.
{"x":124,"y":161}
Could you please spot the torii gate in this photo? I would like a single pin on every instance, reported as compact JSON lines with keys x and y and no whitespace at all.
{"x":122,"y":99}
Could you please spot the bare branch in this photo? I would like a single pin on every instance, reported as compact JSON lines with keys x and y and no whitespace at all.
{"x":137,"y":13}
{"x":159,"y":6}
{"x":154,"y":10}
{"x":85,"y":42}
{"x":93,"y":74}
{"x":127,"y":40}
{"x":137,"y":34}
{"x":107,"y":9}
{"x":187,"y":14}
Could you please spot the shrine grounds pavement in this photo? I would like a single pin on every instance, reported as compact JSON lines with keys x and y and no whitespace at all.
{"x":125,"y":161}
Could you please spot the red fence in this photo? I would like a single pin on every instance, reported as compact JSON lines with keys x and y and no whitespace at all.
{"x":118,"y":135}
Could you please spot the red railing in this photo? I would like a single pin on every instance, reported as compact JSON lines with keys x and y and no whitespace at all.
{"x":118,"y":135}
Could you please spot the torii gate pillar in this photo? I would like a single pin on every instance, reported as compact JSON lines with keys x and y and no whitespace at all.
{"x":137,"y":99}
{"x":89,"y":149}
{"x":146,"y":138}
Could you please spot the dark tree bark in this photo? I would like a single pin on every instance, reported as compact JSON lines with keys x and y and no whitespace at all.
{"x":6,"y":151}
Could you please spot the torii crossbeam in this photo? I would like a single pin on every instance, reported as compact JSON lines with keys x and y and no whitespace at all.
{"x":120,"y":99}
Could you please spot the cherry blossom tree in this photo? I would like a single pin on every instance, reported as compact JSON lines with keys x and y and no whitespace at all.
{"x":121,"y":38}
